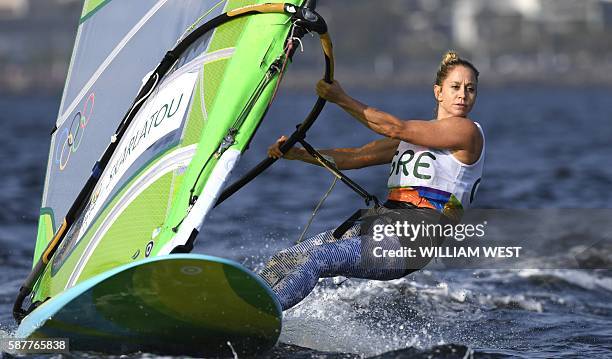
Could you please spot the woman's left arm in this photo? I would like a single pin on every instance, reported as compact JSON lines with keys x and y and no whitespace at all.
{"x":455,"y":133}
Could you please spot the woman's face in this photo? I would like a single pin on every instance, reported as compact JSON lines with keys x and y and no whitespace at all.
{"x":457,"y":95}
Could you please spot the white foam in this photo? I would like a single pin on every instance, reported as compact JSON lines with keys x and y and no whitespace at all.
{"x":586,"y":279}
{"x":518,"y":301}
{"x":351,"y":319}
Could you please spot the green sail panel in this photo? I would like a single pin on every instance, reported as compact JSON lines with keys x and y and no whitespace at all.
{"x":141,"y":205}
{"x":90,"y":7}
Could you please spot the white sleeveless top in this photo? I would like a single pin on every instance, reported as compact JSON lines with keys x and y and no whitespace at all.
{"x":437,"y":175}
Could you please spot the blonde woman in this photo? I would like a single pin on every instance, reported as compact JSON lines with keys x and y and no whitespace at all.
{"x":436,"y":167}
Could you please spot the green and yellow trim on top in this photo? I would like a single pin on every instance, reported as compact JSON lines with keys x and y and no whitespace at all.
{"x":90,"y":7}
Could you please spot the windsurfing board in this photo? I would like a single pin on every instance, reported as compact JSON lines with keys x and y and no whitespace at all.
{"x":188,"y":304}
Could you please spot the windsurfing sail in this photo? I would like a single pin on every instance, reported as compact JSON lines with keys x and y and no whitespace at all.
{"x":158,"y":169}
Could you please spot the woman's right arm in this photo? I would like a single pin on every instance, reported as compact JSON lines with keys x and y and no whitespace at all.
{"x":374,"y":153}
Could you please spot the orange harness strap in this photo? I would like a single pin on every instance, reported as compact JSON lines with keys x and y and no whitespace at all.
{"x":409,"y":195}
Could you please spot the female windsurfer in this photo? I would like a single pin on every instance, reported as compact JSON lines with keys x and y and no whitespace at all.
{"x":436,"y":168}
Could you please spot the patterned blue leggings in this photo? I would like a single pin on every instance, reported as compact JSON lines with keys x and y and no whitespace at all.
{"x":293,"y":273}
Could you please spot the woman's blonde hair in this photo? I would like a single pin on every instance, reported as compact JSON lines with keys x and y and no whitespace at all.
{"x":449,"y":61}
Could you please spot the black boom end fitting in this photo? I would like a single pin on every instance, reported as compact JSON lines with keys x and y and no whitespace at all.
{"x":308,"y":19}
{"x":311,"y":4}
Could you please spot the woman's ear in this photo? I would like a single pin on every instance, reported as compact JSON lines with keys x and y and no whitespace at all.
{"x":437,"y":90}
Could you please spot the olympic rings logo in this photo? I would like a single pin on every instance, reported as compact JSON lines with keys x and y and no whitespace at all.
{"x":71,"y":136}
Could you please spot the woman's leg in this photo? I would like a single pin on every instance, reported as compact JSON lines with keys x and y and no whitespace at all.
{"x":293,"y":273}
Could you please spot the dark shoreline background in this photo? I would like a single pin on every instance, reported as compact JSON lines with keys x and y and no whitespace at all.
{"x":398,"y":45}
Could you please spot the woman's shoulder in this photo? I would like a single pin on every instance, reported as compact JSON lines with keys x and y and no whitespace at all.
{"x":464,"y":125}
{"x":473,"y":138}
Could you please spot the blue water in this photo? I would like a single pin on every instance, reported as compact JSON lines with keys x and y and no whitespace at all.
{"x":546,"y":148}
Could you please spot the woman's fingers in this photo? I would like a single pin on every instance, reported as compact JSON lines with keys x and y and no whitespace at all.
{"x":274,"y":150}
{"x":322,"y":89}
{"x":331,"y":92}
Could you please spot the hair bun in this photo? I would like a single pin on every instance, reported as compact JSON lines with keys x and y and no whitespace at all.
{"x":449,"y":61}
{"x":449,"y":56}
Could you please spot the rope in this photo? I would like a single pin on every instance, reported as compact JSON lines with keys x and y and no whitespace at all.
{"x":314,"y":213}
